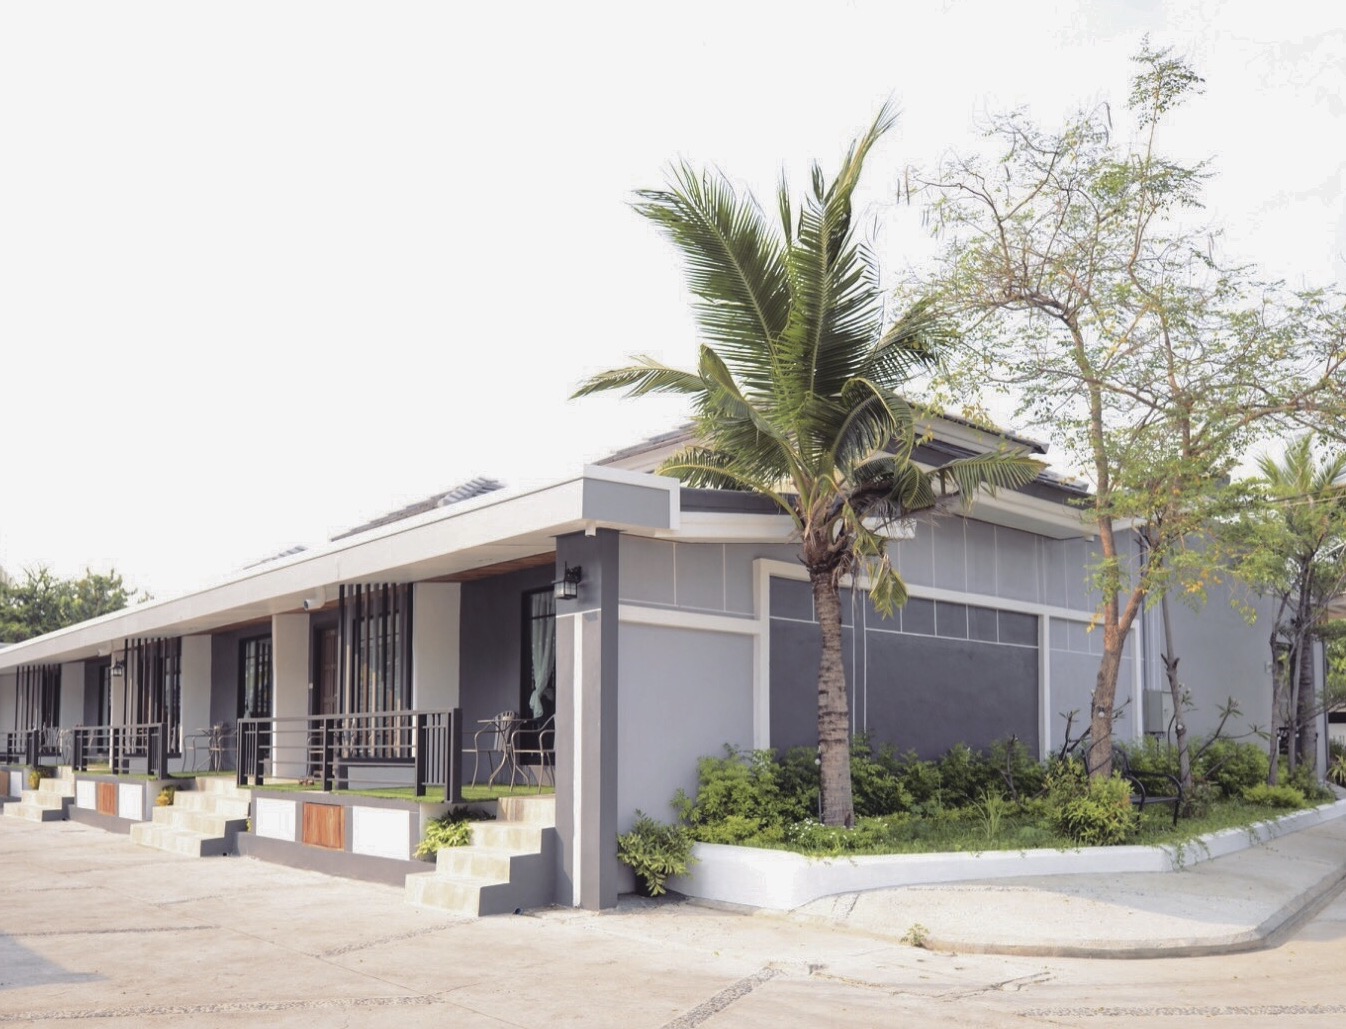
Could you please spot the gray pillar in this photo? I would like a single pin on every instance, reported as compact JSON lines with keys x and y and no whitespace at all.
{"x":586,"y":723}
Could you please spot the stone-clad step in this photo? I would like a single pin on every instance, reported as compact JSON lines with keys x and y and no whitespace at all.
{"x":47,"y":803}
{"x":203,"y":822}
{"x":510,"y":863}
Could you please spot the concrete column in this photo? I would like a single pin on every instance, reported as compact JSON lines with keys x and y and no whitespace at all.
{"x":290,"y":654}
{"x":196,"y":677}
{"x":586,"y":723}
{"x":72,"y":694}
{"x":436,"y":609}
{"x":118,"y":685}
{"x":9,"y":687}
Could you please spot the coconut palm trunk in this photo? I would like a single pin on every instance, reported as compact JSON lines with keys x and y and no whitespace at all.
{"x":834,"y":717}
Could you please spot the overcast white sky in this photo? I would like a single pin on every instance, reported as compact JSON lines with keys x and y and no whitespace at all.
{"x":268,"y":269}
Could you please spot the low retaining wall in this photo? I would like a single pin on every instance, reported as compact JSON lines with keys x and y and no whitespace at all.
{"x":781,"y":880}
{"x":116,"y":803}
{"x":358,"y":837}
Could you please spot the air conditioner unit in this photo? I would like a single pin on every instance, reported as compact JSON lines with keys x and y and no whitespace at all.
{"x":1158,"y":708}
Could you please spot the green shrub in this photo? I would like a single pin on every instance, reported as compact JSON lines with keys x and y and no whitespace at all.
{"x":1101,"y":816}
{"x":165,"y":797}
{"x":920,"y":780}
{"x":964,"y":774}
{"x":1020,"y":772}
{"x":798,"y":784}
{"x":1336,"y":769}
{"x":452,"y":830}
{"x":655,"y":851}
{"x":1307,"y":783}
{"x":742,"y":784}
{"x":876,"y":788}
{"x":1232,"y":766}
{"x":1274,"y":796}
{"x":868,"y":834}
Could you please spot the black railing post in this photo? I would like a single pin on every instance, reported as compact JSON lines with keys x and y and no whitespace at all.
{"x":420,"y":741}
{"x":325,"y":755}
{"x":258,"y":758}
{"x":453,"y":757}
{"x":240,"y":772}
{"x":77,"y":762}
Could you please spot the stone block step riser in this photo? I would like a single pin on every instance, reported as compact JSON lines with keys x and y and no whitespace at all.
{"x":459,"y":896}
{"x":39,"y":798}
{"x":474,"y":863}
{"x":539,"y":810}
{"x":212,"y":803}
{"x":513,"y":836}
{"x":198,"y":821}
{"x":33,"y":812}
{"x":177,"y":841}
{"x":221,"y":786}
{"x":56,"y":788}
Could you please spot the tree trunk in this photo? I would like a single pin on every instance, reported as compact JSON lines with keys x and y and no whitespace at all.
{"x":834,"y":728}
{"x":1306,"y":714}
{"x":1292,"y":708}
{"x":1175,"y":690}
{"x":1102,"y":704}
{"x":1278,"y":671}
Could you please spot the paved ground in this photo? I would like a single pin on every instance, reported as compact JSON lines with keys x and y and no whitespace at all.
{"x":95,"y":929}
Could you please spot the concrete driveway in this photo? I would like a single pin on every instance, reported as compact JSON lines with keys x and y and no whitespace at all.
{"x":95,"y":929}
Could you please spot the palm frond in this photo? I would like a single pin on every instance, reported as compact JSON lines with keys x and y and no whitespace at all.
{"x":733,"y":262}
{"x":645,"y":376}
{"x":997,"y":470}
{"x":873,"y":419}
{"x":913,"y":343}
{"x":703,"y":468}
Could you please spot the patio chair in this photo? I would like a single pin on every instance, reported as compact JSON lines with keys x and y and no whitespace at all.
{"x":532,"y":751}
{"x":492,"y":738}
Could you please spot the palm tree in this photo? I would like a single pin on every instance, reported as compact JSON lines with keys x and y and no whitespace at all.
{"x":795,"y":395}
{"x":1300,"y":559}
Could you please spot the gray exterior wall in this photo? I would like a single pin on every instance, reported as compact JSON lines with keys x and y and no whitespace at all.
{"x":706,"y":577}
{"x":491,"y":657}
{"x":91,"y":714}
{"x":676,"y":685}
{"x":935,"y":674}
{"x":224,"y":671}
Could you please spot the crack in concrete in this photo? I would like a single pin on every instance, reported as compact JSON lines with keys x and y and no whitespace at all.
{"x":1005,"y":986}
{"x":722,"y":1000}
{"x":22,"y":935}
{"x":1195,"y":1011}
{"x":410,"y":934}
{"x":225,"y":1007}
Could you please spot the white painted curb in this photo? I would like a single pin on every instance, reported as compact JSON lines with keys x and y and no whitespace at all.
{"x":781,"y":880}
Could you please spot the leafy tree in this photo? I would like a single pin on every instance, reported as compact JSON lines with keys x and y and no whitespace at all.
{"x":1295,"y":552}
{"x":796,"y":395}
{"x":1089,"y":297}
{"x":43,"y":602}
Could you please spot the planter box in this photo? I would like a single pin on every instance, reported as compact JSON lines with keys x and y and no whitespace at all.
{"x":115,"y":802}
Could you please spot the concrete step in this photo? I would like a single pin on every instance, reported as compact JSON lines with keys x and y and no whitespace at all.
{"x":57,"y":787}
{"x":490,"y":863}
{"x":205,"y":822}
{"x":31,"y":812}
{"x":221,"y":784}
{"x":178,"y":841}
{"x":479,"y":880}
{"x":211,"y":803}
{"x":46,"y":798}
{"x":534,"y":810}
{"x":519,"y":837}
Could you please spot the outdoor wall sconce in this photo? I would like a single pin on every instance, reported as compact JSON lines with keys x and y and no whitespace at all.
{"x":568,"y":586}
{"x":118,"y":669}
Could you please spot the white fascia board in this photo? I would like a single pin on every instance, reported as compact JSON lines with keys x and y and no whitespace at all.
{"x":273,"y":588}
{"x":1016,"y":510}
{"x":728,"y":527}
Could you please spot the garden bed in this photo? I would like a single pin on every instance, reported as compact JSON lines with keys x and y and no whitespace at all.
{"x":781,"y":880}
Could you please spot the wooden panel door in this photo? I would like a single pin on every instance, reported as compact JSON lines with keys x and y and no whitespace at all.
{"x":325,"y":826}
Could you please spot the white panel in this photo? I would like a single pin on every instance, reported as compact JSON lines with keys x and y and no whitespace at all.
{"x":434,"y":645}
{"x":275,"y":818}
{"x":16,"y":784}
{"x":381,"y":832}
{"x":86,"y":794}
{"x":131,"y":801}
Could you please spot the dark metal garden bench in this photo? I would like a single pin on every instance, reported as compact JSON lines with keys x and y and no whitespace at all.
{"x":1140,"y":796}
